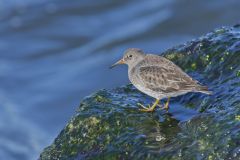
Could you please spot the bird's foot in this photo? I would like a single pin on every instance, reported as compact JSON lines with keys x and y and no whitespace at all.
{"x":145,"y":109}
{"x":149,"y":108}
{"x":166,"y":106}
{"x":163,"y":107}
{"x":141,"y":105}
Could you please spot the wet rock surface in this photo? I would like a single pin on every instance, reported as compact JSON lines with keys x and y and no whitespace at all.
{"x":108,"y":124}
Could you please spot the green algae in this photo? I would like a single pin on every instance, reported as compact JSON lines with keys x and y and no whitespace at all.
{"x":102,"y":99}
{"x":108,"y":124}
{"x":193,"y":66}
{"x":238,"y":73}
{"x":237,"y":117}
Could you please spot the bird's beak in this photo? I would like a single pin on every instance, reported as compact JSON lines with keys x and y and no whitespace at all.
{"x":121,"y":61}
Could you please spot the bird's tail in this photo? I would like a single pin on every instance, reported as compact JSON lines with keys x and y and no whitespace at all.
{"x":203,"y":89}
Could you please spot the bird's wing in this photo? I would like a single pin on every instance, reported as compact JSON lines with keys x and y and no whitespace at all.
{"x":165,"y":77}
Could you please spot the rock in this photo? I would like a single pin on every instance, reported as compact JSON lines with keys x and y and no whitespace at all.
{"x":108,"y":124}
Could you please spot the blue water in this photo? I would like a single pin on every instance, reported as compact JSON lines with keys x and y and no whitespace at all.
{"x":55,"y":52}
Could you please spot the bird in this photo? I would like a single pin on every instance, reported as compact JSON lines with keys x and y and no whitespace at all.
{"x":158,"y":77}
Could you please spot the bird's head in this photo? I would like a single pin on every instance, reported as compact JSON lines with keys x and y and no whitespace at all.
{"x":130,"y":57}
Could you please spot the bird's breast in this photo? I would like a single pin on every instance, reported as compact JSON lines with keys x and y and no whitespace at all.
{"x":133,"y":76}
{"x":138,"y":83}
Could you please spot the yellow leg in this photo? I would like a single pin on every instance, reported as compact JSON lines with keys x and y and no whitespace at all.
{"x":166,"y":106}
{"x":149,"y":109}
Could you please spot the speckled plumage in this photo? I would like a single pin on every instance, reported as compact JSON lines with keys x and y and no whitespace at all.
{"x":157,"y":76}
{"x":161,"y":78}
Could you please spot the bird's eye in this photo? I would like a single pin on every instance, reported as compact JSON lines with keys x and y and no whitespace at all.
{"x":130,"y":56}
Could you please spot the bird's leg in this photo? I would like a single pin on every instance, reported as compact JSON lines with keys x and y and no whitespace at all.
{"x":150,"y":109}
{"x":166,"y":106}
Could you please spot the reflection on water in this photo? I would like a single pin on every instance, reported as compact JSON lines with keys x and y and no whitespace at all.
{"x":159,"y":133}
{"x":53,"y":53}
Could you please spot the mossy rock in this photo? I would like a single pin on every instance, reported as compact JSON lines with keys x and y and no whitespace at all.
{"x":108,"y":124}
